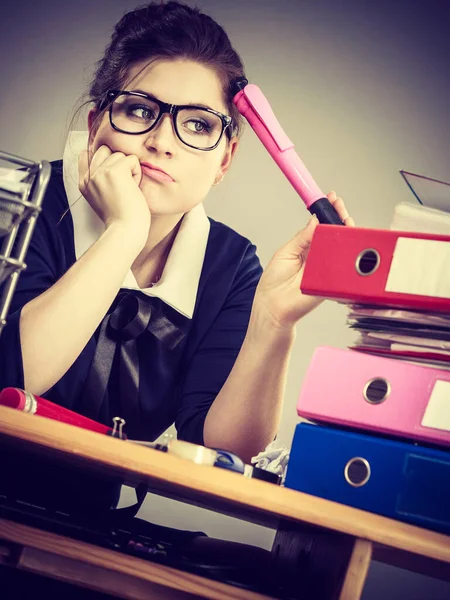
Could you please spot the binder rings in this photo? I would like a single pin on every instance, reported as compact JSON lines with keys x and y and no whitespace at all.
{"x":378,"y":266}
{"x":391,"y":478}
{"x":383,"y":395}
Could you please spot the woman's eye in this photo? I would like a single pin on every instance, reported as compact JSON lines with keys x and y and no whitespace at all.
{"x":144,"y":113}
{"x":197,"y":126}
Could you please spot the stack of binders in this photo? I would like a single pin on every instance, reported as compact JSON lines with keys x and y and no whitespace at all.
{"x":381,"y":438}
{"x":414,"y":335}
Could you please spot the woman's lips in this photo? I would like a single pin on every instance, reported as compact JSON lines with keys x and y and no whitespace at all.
{"x":156,"y":174}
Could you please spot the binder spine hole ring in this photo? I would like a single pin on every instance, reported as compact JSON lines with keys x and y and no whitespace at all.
{"x":367,"y":262}
{"x":377,"y":390}
{"x":357,"y":471}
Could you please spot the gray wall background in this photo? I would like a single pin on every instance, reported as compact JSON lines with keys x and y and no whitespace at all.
{"x":361,"y":87}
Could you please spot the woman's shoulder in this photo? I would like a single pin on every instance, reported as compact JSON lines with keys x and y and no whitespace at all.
{"x":53,"y":234}
{"x":221,"y":233}
{"x":55,"y":200}
{"x":227,"y":247}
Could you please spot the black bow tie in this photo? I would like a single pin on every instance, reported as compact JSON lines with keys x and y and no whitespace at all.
{"x":133,"y":315}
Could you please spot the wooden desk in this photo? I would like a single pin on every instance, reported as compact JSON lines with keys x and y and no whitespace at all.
{"x":317,"y":540}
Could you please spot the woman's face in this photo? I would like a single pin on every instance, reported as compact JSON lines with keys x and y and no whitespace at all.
{"x":192,"y":171}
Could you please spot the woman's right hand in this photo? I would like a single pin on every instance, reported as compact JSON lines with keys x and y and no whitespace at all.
{"x":110,"y":183}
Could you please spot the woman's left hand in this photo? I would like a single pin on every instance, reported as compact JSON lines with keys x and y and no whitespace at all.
{"x":278,"y":295}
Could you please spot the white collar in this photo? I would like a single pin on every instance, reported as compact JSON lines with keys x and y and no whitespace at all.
{"x":179,"y":282}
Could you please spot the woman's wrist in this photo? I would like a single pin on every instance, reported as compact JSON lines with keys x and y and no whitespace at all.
{"x":131,"y":234}
{"x":263,"y":327}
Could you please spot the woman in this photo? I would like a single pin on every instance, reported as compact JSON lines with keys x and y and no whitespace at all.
{"x":163,"y":316}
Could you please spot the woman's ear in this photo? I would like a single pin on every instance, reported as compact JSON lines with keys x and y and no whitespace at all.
{"x":227,"y":159}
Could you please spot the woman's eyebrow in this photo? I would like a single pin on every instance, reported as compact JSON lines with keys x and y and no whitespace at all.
{"x":196,"y":104}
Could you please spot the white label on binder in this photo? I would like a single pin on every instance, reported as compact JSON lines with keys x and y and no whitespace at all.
{"x":437,"y":412}
{"x":420,"y":267}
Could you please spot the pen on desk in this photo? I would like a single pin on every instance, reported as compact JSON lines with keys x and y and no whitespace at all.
{"x":35,"y":405}
{"x":254,"y":106}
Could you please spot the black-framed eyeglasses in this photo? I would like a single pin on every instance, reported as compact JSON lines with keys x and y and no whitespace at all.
{"x":136,"y":113}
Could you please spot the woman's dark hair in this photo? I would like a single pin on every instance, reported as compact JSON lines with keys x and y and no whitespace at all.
{"x":169,"y":30}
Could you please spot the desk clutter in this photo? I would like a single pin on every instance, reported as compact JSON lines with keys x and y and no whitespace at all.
{"x":53,"y":497}
{"x":223,"y":459}
{"x":379,"y":412}
{"x":45,"y":493}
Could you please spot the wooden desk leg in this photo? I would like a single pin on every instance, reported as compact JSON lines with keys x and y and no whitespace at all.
{"x":313,"y":563}
{"x":357,"y":570}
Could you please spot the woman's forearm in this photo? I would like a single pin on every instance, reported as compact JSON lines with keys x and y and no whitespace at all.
{"x":245,"y":415}
{"x":56,"y":326}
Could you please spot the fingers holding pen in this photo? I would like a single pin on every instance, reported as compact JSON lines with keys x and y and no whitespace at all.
{"x":340,"y":208}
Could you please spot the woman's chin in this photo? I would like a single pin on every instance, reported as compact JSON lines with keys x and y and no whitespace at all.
{"x":157,"y":204}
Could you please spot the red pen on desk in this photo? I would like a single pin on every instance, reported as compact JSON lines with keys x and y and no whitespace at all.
{"x":35,"y":405}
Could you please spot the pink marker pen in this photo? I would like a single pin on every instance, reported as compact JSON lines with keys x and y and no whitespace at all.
{"x":253,"y":105}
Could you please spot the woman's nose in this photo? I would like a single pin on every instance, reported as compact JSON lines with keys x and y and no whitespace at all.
{"x":162,"y":138}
